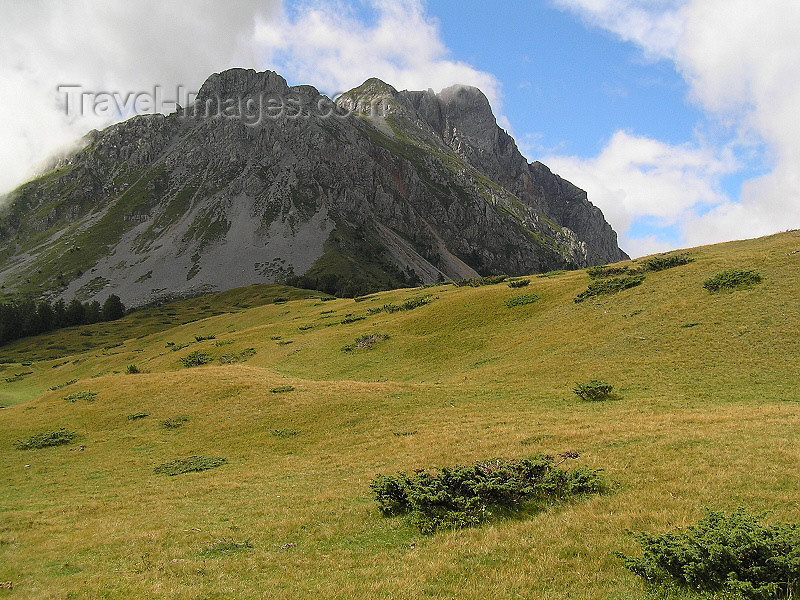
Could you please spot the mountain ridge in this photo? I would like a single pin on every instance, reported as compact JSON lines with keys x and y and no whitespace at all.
{"x":261,"y":181}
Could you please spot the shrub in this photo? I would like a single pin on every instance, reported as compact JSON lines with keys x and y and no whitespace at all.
{"x":75,"y":396}
{"x":732,"y":279}
{"x":609,"y":286}
{"x":132,"y":370}
{"x":174,"y":422}
{"x":189,"y":465}
{"x":137,"y":415}
{"x":518,"y":283}
{"x":521,"y":300}
{"x":282,"y":433}
{"x":281,"y":389}
{"x":229,"y":359}
{"x":352,"y":319}
{"x":224,"y":547}
{"x":724,"y":553}
{"x":551,"y":274}
{"x":45,"y":440}
{"x":479,"y":281}
{"x":196,"y":359}
{"x":659,"y":263}
{"x":63,"y":385}
{"x":407,"y":304}
{"x":366,"y":342}
{"x":593,"y":390}
{"x":605,"y":271}
{"x":463,"y":496}
{"x":223,"y":342}
{"x":203,"y":338}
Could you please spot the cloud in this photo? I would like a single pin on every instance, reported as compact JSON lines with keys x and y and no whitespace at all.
{"x":636,"y":178}
{"x":330,"y":45}
{"x":742,"y":62}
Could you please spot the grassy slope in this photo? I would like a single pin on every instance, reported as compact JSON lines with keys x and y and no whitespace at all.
{"x":709,"y":416}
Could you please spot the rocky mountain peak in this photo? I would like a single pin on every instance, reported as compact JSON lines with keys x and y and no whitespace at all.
{"x":242,"y":83}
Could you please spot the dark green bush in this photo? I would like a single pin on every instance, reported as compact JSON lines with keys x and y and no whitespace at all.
{"x":732,"y":279}
{"x":609,"y":286}
{"x":479,"y":281}
{"x":132,"y":370}
{"x":521,"y":300}
{"x":463,"y":496}
{"x":551,"y":274}
{"x":229,"y":359}
{"x":724,"y":553}
{"x":174,"y":422}
{"x":352,"y":319}
{"x":203,"y":338}
{"x":664,"y":261}
{"x":75,"y":396}
{"x":605,"y":271}
{"x":137,"y":415}
{"x":518,"y":283}
{"x":594,"y":390}
{"x":189,"y":465}
{"x":45,"y":440}
{"x":282,"y":389}
{"x":196,"y":359}
{"x":407,"y":304}
{"x":283,"y":433}
{"x":366,"y":342}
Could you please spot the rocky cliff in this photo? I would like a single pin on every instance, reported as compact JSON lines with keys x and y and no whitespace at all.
{"x":259,"y":181}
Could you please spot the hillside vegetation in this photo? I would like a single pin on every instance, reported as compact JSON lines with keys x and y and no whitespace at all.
{"x":232,"y":456}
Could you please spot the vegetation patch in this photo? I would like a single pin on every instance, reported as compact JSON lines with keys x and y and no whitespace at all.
{"x":594,"y":390}
{"x":605,"y":271}
{"x":189,"y":465}
{"x":366,"y":342}
{"x":282,"y":389}
{"x":665,"y":261}
{"x":352,"y":319}
{"x":225,"y":547}
{"x":196,"y":359}
{"x":551,"y":274}
{"x":45,"y":440}
{"x":521,"y":300}
{"x":284,"y":433}
{"x":519,"y":283}
{"x":174,"y":422}
{"x":479,"y":281}
{"x":63,"y":385}
{"x":137,"y":415}
{"x":408,"y":304}
{"x":132,"y":370}
{"x":236,"y":357}
{"x":609,"y":286}
{"x":203,"y":338}
{"x":732,"y":553}
{"x":464,"y":496}
{"x":732,"y":279}
{"x":86,"y":395}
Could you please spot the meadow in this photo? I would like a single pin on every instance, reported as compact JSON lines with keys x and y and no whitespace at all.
{"x":705,"y":413}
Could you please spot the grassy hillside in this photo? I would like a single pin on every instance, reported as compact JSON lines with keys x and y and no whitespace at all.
{"x":708,"y":414}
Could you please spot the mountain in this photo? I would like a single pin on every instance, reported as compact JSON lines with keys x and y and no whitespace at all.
{"x":257,"y":181}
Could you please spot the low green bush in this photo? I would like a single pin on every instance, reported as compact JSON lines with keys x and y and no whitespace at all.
{"x":463,"y":496}
{"x":352,"y":319}
{"x":479,"y":281}
{"x":407,"y":304}
{"x":282,"y":389}
{"x":137,"y":415}
{"x":594,"y":390}
{"x":132,"y":370}
{"x":189,"y":465}
{"x":86,"y":395}
{"x":196,"y":359}
{"x":366,"y":342}
{"x":609,"y":286}
{"x":521,"y":300}
{"x":63,"y":385}
{"x":664,"y":261}
{"x":46,"y":440}
{"x":203,"y":338}
{"x":283,"y":433}
{"x":732,"y":279}
{"x":518,"y":283}
{"x":174,"y":422}
{"x":236,"y":357}
{"x":733,"y":553}
{"x":605,"y":271}
{"x":551,"y":274}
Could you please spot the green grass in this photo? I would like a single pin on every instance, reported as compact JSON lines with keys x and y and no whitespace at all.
{"x":710,"y":417}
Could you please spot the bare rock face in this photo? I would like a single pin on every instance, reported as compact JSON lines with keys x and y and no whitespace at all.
{"x":259,"y":181}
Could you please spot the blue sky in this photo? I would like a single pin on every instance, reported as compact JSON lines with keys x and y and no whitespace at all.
{"x":679,"y":117}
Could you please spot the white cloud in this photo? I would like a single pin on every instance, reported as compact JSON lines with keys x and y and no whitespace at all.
{"x":132,"y":46}
{"x":741,"y":60}
{"x":330,"y":46}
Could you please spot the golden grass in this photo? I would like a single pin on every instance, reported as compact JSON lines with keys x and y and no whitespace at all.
{"x":709,"y":416}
